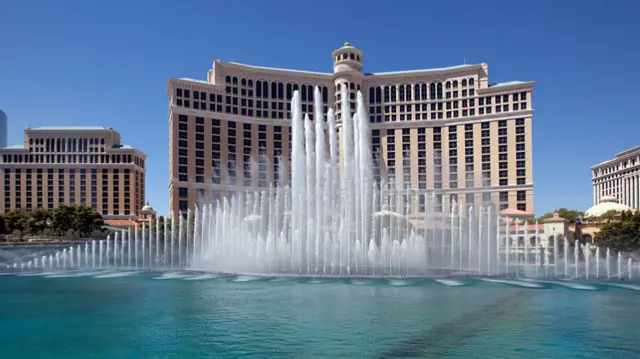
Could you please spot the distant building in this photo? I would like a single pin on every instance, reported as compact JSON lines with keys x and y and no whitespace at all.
{"x":146,"y":216}
{"x":618,"y":178}
{"x":4,"y":129}
{"x":73,"y":165}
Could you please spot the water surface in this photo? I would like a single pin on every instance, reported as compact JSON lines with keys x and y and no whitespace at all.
{"x":104,"y":315}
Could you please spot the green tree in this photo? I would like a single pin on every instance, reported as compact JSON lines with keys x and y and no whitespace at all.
{"x":74,"y":220}
{"x":570,"y":214}
{"x":15,"y":221}
{"x":37,"y":221}
{"x":605,"y":217}
{"x":621,"y":235}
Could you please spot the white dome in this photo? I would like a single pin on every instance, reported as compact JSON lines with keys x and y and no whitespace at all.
{"x":147,"y":208}
{"x":607,"y":203}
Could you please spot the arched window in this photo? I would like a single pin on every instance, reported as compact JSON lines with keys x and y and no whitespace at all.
{"x":325,"y":94}
{"x":265,"y":89}
{"x":235,"y":80}
{"x":378,"y":94}
{"x":310,"y":92}
{"x":471,"y":81}
{"x":394,"y":94}
{"x":433,"y":94}
{"x":448,"y":85}
{"x":280,"y":90}
{"x":303,"y":92}
{"x":372,"y":95}
{"x":250,"y":84}
{"x":408,"y":92}
{"x":464,"y":82}
{"x":401,"y":94}
{"x":455,"y":84}
{"x":243,"y":82}
{"x":289,"y":91}
{"x":440,"y":91}
{"x":258,"y":88}
{"x":274,"y":89}
{"x":423,"y":91}
{"x":532,"y":241}
{"x":227,"y":79}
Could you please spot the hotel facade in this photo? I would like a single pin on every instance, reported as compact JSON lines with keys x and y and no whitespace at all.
{"x":73,"y":165}
{"x":445,"y":131}
{"x":618,"y":178}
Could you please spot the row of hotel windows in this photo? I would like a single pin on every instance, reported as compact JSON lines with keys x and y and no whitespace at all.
{"x":617,"y":168}
{"x":249,"y":150}
{"x":67,"y":185}
{"x":66,"y":144}
{"x":248,"y":106}
{"x":454,"y":109}
{"x":417,"y":92}
{"x":49,"y":159}
{"x":453,"y":154}
{"x":251,"y":168}
{"x":277,"y":89}
{"x":390,"y":112}
{"x":503,"y":198}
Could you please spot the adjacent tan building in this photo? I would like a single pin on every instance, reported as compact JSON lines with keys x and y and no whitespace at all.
{"x":443,"y":130}
{"x":73,"y":165}
{"x":618,"y":178}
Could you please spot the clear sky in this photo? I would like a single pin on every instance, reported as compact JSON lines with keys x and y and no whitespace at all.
{"x":106,"y":63}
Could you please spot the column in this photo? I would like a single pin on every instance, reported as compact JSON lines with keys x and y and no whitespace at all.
{"x":627,"y":190}
{"x":635,"y":191}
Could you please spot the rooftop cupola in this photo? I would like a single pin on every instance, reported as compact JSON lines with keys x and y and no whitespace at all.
{"x":347,"y":58}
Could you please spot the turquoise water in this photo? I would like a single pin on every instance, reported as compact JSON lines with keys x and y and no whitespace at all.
{"x":151,"y":316}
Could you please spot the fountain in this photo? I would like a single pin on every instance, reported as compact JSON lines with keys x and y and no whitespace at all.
{"x":335,"y":219}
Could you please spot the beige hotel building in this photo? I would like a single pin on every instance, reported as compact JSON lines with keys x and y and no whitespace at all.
{"x":73,"y":165}
{"x":446,"y":131}
{"x":619,"y":178}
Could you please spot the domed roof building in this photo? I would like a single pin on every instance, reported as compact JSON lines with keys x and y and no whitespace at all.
{"x":607,"y":203}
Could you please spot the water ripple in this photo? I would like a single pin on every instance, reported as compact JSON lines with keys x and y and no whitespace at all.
{"x":221,"y":318}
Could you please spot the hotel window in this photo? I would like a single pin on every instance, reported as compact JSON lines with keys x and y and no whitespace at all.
{"x":470,"y":199}
{"x":468,"y":152}
{"x":437,"y":158}
{"x":422,"y":158}
{"x":485,"y":140}
{"x":520,"y":153}
{"x":247,"y":154}
{"x":375,"y":151}
{"x":231,"y":151}
{"x":406,"y":158}
{"x":391,"y":156}
{"x":504,"y":200}
{"x":502,"y":153}
{"x":486,"y":198}
{"x":453,"y":157}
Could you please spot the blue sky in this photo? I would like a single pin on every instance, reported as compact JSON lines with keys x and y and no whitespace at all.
{"x":107,"y":63}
